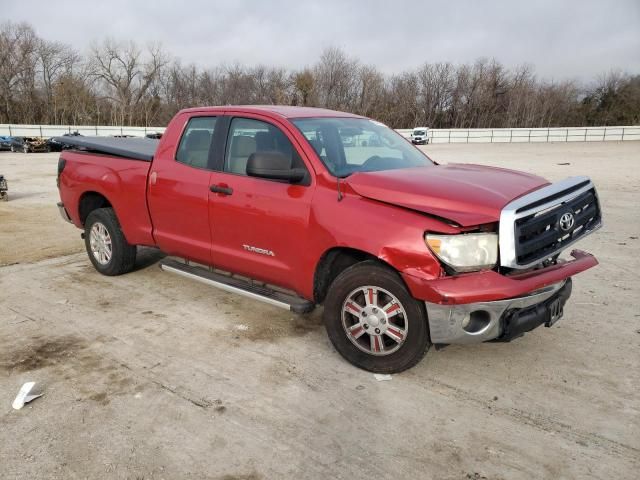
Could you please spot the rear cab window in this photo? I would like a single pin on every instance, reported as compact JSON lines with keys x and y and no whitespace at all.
{"x":196,"y":141}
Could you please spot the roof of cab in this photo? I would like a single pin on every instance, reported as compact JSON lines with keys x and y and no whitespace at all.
{"x":280,"y":110}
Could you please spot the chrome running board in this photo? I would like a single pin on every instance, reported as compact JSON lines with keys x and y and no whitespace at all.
{"x":243,"y":287}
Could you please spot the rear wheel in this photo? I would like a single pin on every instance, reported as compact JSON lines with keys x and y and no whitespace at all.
{"x":373,"y":321}
{"x":106,"y":245}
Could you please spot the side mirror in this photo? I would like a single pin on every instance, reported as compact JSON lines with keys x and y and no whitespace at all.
{"x":274,"y":166}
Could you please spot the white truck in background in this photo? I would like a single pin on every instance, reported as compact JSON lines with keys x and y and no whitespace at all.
{"x":420,"y":136}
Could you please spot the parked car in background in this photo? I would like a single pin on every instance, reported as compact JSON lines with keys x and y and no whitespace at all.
{"x":420,"y":136}
{"x":5,"y":143}
{"x":154,"y":135}
{"x":56,"y":145}
{"x":29,"y":144}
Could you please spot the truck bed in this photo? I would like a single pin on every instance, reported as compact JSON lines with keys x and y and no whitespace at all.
{"x":122,"y":181}
{"x":133,"y":148}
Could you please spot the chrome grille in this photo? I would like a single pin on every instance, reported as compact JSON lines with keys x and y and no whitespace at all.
{"x":541,"y":224}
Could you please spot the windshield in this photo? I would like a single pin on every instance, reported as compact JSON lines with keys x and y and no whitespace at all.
{"x":349,"y":145}
{"x":419,"y":132}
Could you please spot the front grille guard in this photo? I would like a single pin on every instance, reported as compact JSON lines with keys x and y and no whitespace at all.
{"x":533,"y":203}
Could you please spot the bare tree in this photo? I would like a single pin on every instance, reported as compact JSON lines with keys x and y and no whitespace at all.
{"x":18,"y":43}
{"x":55,"y":60}
{"x":436,"y":84}
{"x":614,"y":99}
{"x":120,"y":83}
{"x":371,"y":86}
{"x":273,"y":85}
{"x":335,"y":77}
{"x":401,"y":106}
{"x":76,"y":102}
{"x":304,"y":86}
{"x":126,"y":74}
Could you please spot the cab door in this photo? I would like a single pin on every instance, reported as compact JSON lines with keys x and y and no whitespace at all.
{"x":259,"y":227}
{"x":178,"y":189}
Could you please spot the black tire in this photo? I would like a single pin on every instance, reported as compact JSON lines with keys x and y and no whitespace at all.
{"x":123,"y":255}
{"x":371,"y":273}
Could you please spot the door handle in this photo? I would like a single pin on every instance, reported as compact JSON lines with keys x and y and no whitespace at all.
{"x":221,"y":189}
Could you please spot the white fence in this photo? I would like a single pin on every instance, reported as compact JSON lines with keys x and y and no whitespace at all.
{"x":453,"y":135}
{"x":47,"y":131}
{"x":525,"y":135}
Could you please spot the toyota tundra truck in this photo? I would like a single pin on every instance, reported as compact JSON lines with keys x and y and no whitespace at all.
{"x":267,"y":202}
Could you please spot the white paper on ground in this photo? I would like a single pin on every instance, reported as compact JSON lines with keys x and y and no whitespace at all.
{"x":381,"y":377}
{"x":25,"y":395}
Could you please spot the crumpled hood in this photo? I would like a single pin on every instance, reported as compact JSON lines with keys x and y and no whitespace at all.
{"x":466,"y":194}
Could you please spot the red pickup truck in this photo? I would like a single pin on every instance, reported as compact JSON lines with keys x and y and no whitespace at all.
{"x":302,"y":206}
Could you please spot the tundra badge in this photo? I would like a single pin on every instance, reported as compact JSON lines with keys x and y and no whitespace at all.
{"x":261,"y":251}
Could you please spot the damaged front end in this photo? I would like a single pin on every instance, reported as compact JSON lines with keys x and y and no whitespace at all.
{"x":529,"y":284}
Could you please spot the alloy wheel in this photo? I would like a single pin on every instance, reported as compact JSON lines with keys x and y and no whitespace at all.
{"x":374,"y":320}
{"x":101,"y":245}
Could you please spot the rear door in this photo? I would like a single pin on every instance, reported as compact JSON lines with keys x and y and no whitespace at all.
{"x":259,"y":227}
{"x":178,"y":191}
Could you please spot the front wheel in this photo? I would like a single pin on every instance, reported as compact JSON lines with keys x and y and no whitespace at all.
{"x":108,"y":249}
{"x":373,"y":321}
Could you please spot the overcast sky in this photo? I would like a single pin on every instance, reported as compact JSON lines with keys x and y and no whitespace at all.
{"x":561,"y":39}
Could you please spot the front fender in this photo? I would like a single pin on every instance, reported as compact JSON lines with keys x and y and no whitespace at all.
{"x":392,"y":234}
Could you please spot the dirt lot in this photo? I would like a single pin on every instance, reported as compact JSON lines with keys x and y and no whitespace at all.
{"x":152,"y":376}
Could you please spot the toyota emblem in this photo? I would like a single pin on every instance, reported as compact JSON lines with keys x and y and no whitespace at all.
{"x":566,"y":221}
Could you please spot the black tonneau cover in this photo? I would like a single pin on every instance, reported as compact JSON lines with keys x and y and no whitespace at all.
{"x":134,"y":148}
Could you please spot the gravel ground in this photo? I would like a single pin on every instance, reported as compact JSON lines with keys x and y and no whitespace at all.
{"x":152,"y":376}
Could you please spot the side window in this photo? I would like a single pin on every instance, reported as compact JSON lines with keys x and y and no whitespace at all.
{"x":196,"y":141}
{"x":247,"y":136}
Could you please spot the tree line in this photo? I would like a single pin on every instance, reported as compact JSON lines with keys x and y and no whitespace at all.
{"x":121,"y":83}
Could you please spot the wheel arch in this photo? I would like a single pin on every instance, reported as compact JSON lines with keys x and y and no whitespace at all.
{"x":90,"y":201}
{"x":336,"y":260}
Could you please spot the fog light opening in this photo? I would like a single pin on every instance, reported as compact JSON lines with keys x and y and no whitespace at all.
{"x":476,"y":321}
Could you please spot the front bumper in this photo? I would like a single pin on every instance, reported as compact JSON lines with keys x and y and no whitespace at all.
{"x":501,"y":320}
{"x":502,"y":307}
{"x":489,"y":285}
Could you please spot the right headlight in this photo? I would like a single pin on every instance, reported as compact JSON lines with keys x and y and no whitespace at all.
{"x":468,"y":252}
